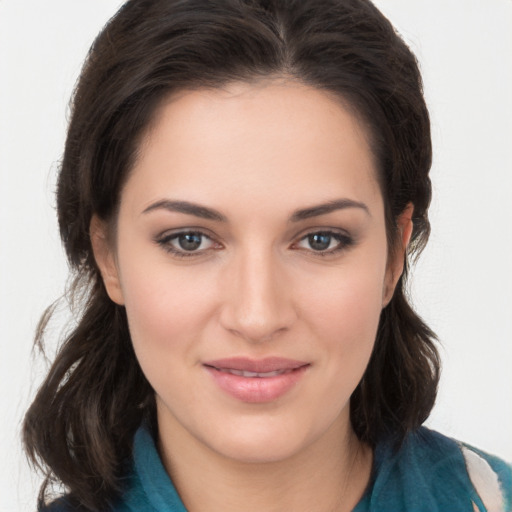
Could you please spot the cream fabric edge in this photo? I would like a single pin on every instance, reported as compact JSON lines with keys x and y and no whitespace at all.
{"x":484,"y":480}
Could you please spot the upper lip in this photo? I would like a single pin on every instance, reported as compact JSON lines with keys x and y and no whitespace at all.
{"x":268,"y":364}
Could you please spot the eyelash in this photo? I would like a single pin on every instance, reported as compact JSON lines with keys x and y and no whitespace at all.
{"x":344,"y":242}
{"x":165,"y":243}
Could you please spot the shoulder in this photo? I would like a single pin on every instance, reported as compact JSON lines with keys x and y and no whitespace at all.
{"x":60,"y":505}
{"x":66,"y":503}
{"x":63,"y":504}
{"x":430,"y":468}
{"x":490,"y":476}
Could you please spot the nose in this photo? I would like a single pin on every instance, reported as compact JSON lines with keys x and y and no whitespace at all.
{"x":258,"y":301}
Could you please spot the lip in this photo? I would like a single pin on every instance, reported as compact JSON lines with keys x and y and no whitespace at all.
{"x":268,"y":364}
{"x":282,"y":375}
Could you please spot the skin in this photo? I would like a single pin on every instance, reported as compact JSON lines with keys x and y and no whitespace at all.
{"x":255,"y":287}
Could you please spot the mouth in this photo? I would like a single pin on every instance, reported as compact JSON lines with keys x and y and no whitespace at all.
{"x":268,"y":367}
{"x":256,"y":381}
{"x":251,"y":375}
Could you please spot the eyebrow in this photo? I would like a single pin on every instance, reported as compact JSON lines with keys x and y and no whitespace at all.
{"x":187,"y":208}
{"x":210,"y":214}
{"x":325,"y":208}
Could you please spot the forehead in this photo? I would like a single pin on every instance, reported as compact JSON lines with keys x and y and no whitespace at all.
{"x":251,"y":141}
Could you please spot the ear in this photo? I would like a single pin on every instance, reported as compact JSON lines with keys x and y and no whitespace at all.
{"x":397,"y":255}
{"x":104,"y":254}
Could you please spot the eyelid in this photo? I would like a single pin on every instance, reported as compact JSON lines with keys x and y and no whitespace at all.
{"x":165,"y":238}
{"x":345,"y":239}
{"x":323,"y":229}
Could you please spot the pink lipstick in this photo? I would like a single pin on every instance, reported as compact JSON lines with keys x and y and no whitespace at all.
{"x":256,"y":381}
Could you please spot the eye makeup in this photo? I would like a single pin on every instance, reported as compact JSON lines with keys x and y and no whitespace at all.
{"x":193,"y":243}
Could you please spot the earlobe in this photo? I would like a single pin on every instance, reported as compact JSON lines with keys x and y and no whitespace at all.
{"x":105,"y":259}
{"x":397,"y":258}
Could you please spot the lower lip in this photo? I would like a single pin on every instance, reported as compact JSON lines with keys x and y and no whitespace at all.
{"x":256,"y":389}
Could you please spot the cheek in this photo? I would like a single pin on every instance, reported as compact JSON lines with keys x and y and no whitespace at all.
{"x":345,"y":310}
{"x":350,"y":296}
{"x":167,"y":308}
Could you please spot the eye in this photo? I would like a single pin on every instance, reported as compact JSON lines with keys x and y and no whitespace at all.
{"x":186,"y":243}
{"x":325,"y":242}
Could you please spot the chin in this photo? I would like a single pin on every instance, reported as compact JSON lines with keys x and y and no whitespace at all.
{"x":260,"y":451}
{"x":260,"y":442}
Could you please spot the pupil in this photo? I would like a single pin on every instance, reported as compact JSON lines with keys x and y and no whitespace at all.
{"x":319,"y":241}
{"x":189,"y":241}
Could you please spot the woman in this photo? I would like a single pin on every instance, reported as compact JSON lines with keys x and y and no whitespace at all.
{"x":242,"y":185}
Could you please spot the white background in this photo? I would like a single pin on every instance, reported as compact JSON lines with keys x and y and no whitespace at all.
{"x":462,"y":285}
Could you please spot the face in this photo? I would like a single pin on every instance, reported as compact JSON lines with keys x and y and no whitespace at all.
{"x":251,"y":258}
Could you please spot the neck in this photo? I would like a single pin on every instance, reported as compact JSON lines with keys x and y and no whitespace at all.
{"x":330,"y":475}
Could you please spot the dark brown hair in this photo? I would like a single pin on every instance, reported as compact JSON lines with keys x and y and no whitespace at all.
{"x":80,"y":426}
